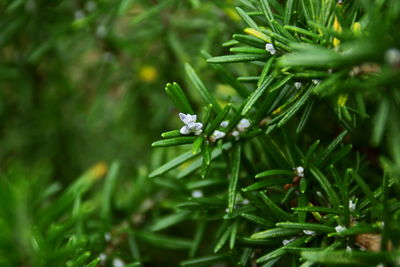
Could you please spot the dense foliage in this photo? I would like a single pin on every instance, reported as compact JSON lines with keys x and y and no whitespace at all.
{"x":300,"y":166}
{"x":284,"y":149}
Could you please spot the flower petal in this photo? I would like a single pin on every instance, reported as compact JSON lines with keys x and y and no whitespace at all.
{"x":185,"y":130}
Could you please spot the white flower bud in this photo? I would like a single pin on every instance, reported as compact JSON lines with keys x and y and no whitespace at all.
{"x":185,"y":130}
{"x":340,"y":228}
{"x":187,"y":118}
{"x":287,"y":241}
{"x":299,"y":171}
{"x":243,"y":125}
{"x":392,"y":56}
{"x":270,"y":48}
{"x":309,"y":232}
{"x":316,"y":81}
{"x":352,"y":205}
{"x":235,"y":133}
{"x":217,"y":135}
{"x":224,"y":124}
{"x":103,"y":257}
{"x":297,"y":85}
{"x":197,"y":193}
{"x":117,"y":262}
{"x":197,"y":126}
{"x":107,"y":236}
{"x":245,"y":201}
{"x":191,"y":125}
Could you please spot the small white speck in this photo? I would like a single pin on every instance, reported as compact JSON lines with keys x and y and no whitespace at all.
{"x":243,"y":125}
{"x":348,"y":249}
{"x":287,"y":241}
{"x":309,"y":232}
{"x":235,"y":133}
{"x":91,"y":6}
{"x":217,"y":135}
{"x":352,"y":205}
{"x":270,"y":48}
{"x":245,"y":201}
{"x":197,"y":193}
{"x":316,"y":81}
{"x":117,"y":262}
{"x":297,"y":85}
{"x":226,"y":210}
{"x":224,"y":124}
{"x":102,"y":257}
{"x":108,"y":56}
{"x":79,"y":14}
{"x":299,"y":171}
{"x":107,"y":236}
{"x":101,"y":31}
{"x":392,"y":56}
{"x":340,"y":228}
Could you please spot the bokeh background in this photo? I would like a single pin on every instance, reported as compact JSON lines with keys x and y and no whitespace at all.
{"x":82,"y":81}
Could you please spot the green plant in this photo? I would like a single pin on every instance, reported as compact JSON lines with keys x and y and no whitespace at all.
{"x":77,"y":78}
{"x":300,"y":165}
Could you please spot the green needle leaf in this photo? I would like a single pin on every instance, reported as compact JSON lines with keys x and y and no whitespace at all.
{"x":277,"y":211}
{"x":306,"y":226}
{"x":237,"y":58}
{"x":172,"y":164}
{"x":252,"y":99}
{"x":326,"y":185}
{"x":232,"y":191}
{"x":174,"y":141}
{"x":201,"y":88}
{"x":275,"y":172}
{"x":175,"y":92}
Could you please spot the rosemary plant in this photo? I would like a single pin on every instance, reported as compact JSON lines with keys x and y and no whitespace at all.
{"x":299,"y":165}
{"x":283,"y":148}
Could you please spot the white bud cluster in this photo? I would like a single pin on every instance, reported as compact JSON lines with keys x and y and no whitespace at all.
{"x":309,"y":232}
{"x":316,"y":81}
{"x":217,"y":135}
{"x":224,"y":124}
{"x":352,"y":205}
{"x":340,"y":228}
{"x":270,"y":48}
{"x":117,"y":262}
{"x":197,"y":193}
{"x":287,"y":241}
{"x":299,"y":171}
{"x":191,"y":126}
{"x":392,"y":56}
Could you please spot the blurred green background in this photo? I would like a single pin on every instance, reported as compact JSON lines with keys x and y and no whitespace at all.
{"x":82,"y":85}
{"x":82,"y":81}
